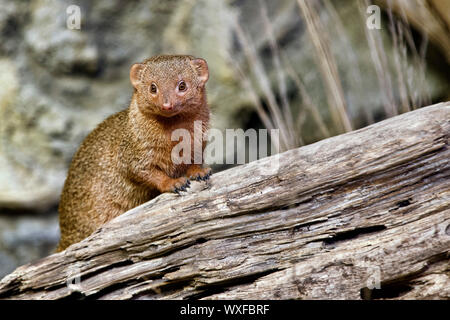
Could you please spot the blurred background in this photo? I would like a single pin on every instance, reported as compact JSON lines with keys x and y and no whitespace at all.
{"x":311,"y":69}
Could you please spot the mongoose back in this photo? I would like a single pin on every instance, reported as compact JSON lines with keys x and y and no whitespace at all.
{"x":126,"y":160}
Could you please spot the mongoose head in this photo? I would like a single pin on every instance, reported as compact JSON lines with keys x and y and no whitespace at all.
{"x":169,"y":84}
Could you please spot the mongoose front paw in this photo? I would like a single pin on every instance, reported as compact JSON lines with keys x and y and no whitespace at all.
{"x":180,"y":184}
{"x":199,"y":173}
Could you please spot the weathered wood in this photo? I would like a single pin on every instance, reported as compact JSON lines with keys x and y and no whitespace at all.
{"x":370,"y":207}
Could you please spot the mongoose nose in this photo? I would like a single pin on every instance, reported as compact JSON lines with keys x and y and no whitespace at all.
{"x":167,"y":106}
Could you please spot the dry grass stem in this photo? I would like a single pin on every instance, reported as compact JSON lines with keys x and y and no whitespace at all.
{"x":307,"y":101}
{"x":379,"y":60}
{"x":352,"y":59}
{"x":281,"y":77}
{"x":262,"y":114}
{"x":263,"y":81}
{"x":327,"y":66}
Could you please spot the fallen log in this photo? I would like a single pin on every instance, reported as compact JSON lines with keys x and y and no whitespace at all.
{"x":363,"y":215}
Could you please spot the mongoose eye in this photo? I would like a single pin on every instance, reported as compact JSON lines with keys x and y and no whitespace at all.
{"x":182,"y":86}
{"x":153,"y":88}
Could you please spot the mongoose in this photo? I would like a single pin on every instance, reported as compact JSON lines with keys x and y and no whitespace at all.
{"x":126,"y":160}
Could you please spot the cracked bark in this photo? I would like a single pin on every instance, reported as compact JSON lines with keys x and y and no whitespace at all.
{"x":340,"y":218}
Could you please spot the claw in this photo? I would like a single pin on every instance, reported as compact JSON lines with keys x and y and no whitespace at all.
{"x":189,"y":182}
{"x":176,"y":191}
{"x":183,"y":188}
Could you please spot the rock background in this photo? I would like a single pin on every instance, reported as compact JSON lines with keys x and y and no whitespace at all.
{"x":57,"y":84}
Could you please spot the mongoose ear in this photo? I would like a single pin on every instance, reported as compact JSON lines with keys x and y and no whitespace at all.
{"x":135,"y":74}
{"x":201,"y":67}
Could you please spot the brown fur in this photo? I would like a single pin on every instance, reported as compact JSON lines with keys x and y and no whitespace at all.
{"x":126,"y":160}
